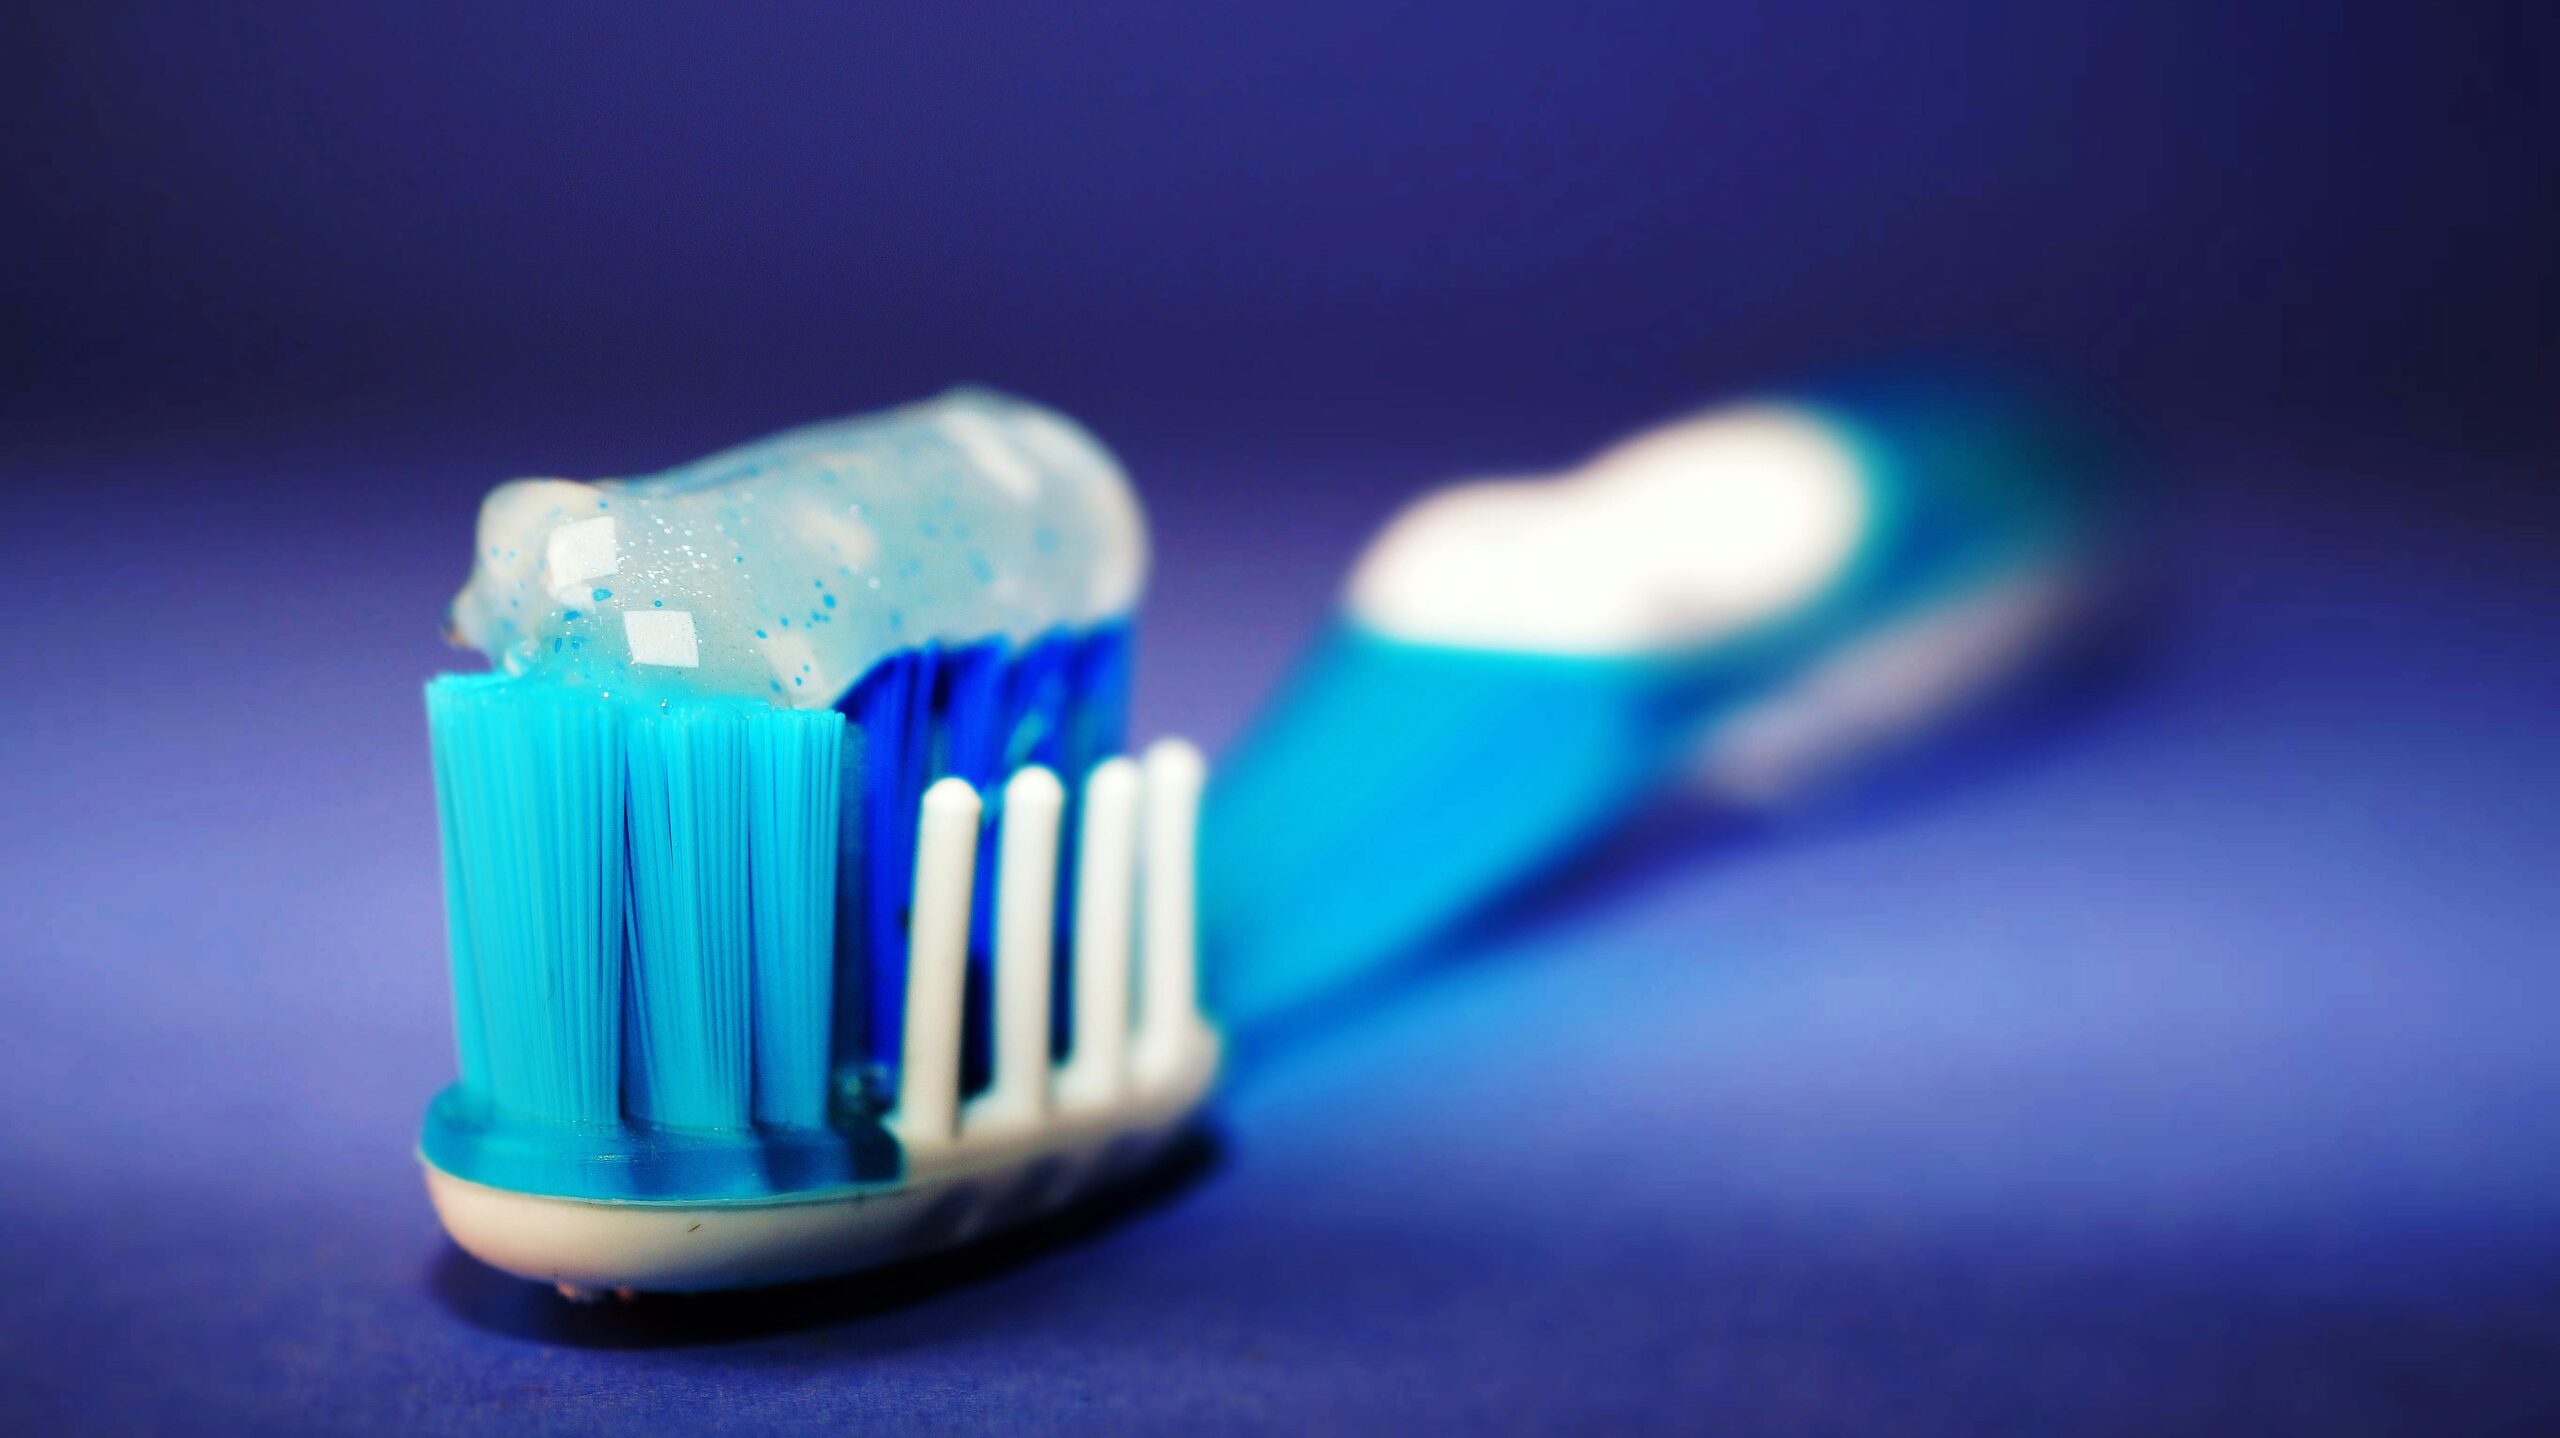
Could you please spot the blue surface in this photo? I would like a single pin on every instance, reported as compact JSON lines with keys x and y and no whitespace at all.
{"x":2186,"y":1065}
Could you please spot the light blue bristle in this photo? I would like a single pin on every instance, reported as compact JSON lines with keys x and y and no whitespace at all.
{"x":848,"y":1047}
{"x":642,"y":902}
{"x":470,"y":1032}
{"x":688,"y":1061}
{"x":530,"y":792}
{"x":795,"y":769}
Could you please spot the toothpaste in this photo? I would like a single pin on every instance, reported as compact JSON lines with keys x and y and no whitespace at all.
{"x":785,"y":569}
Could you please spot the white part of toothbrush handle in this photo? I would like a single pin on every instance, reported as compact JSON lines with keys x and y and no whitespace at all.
{"x":937,"y":960}
{"x":1026,"y":917}
{"x":1898,"y":683}
{"x":1169,"y":985}
{"x":1106,"y":878}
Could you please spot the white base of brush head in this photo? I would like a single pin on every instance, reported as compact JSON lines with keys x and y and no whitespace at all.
{"x":1903,"y":682}
{"x":985,"y":1182}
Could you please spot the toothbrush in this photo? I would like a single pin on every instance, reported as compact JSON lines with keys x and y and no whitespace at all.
{"x":1751,"y":603}
{"x":798,"y":930}
{"x":803,"y":913}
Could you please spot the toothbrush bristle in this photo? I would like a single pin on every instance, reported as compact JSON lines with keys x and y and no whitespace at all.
{"x":698,"y":841}
{"x":937,"y":955}
{"x":1168,"y":986}
{"x":1026,"y":914}
{"x":694,"y":922}
{"x":759,"y":976}
{"x":795,"y":779}
{"x":978,"y":713}
{"x":529,"y":788}
{"x":685,"y":1034}
{"x":1106,"y":874}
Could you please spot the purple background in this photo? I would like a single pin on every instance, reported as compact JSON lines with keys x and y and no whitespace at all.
{"x":2185,"y":1065}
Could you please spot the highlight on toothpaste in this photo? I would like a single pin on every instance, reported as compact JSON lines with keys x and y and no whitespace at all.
{"x":1753,"y":603}
{"x":806,"y":912}
{"x":787,"y":569}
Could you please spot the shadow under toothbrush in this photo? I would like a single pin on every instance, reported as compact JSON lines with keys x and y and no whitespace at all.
{"x":499,"y":1303}
{"x":2084,"y":686}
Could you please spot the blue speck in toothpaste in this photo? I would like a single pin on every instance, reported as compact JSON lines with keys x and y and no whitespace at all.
{"x":1058,"y":542}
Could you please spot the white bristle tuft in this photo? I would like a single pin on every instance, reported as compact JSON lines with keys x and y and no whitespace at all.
{"x":1169,"y":1019}
{"x":1026,"y":922}
{"x":1106,"y":878}
{"x":937,"y":960}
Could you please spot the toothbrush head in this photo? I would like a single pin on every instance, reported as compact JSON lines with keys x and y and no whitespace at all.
{"x":757,"y":982}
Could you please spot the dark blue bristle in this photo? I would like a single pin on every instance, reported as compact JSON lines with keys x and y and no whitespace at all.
{"x":849,"y":1033}
{"x":892,"y":707}
{"x":978,"y":711}
{"x":971,"y":699}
